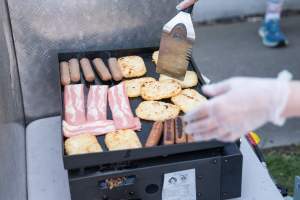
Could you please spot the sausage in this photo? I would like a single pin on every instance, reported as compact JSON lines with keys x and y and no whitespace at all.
{"x":87,"y":70}
{"x":179,"y":134}
{"x":169,"y":132}
{"x":115,"y":69}
{"x":64,"y":73}
{"x":74,"y":70}
{"x":155,"y":134}
{"x":101,"y":69}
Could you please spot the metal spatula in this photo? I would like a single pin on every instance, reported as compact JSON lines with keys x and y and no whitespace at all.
{"x":178,"y":37}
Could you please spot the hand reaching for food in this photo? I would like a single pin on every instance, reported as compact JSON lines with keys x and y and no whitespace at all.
{"x":238,"y":106}
{"x":185,"y":4}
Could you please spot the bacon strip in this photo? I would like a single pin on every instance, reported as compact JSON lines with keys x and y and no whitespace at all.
{"x":74,"y":104}
{"x":120,"y":108}
{"x":75,"y":121}
{"x":94,"y":128}
{"x":137,"y":124}
{"x":97,"y":103}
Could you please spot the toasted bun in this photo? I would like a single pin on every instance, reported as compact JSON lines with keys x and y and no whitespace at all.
{"x":122,"y":139}
{"x":188,"y":100}
{"x":190,"y":79}
{"x":157,"y":111}
{"x":133,"y":86}
{"x":132,"y":66}
{"x":160,"y":90}
{"x":155,"y":56}
{"x":80,"y":144}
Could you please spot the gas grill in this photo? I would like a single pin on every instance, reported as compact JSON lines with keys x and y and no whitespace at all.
{"x":139,"y":173}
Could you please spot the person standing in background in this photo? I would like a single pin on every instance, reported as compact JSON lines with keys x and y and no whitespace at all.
{"x":270,"y":30}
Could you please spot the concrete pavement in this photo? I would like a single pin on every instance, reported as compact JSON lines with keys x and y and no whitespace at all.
{"x":207,"y":10}
{"x":227,"y":50}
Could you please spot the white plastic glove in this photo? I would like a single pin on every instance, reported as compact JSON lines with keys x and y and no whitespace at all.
{"x":238,"y":106}
{"x":185,"y":4}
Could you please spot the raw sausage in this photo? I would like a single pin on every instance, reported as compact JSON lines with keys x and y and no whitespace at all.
{"x":74,"y":70}
{"x":155,"y":134}
{"x":169,"y":132}
{"x":101,"y":69}
{"x":179,"y":134}
{"x":64,"y":73}
{"x":87,"y":70}
{"x":115,"y":69}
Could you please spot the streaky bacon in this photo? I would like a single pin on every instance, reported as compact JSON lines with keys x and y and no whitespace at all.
{"x":96,"y":128}
{"x":97,"y":103}
{"x":75,"y":122}
{"x":120,"y":108}
{"x":74,"y":104}
{"x":138,"y":125}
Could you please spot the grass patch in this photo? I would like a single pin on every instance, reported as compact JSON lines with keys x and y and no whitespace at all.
{"x":284,"y":164}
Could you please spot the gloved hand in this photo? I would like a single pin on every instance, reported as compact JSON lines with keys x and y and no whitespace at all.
{"x":185,"y":4}
{"x":239,"y":105}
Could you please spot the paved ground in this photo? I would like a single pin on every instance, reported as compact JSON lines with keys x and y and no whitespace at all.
{"x":227,"y":50}
{"x":220,"y":9}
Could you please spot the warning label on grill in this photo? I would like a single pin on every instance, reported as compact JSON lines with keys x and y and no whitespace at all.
{"x":180,"y":185}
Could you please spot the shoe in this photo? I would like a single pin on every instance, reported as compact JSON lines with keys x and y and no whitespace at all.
{"x":271,"y":34}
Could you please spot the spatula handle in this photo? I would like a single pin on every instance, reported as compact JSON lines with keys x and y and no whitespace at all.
{"x":189,"y":9}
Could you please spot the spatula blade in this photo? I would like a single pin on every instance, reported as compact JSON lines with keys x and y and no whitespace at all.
{"x":176,"y":45}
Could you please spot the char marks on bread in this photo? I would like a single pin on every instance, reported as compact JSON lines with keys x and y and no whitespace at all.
{"x":132,"y":66}
{"x":157,"y":110}
{"x":188,"y":100}
{"x":157,"y":90}
{"x":122,"y":139}
{"x":133,"y":86}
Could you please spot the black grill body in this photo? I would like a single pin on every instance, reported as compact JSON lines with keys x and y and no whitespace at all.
{"x":218,"y":165}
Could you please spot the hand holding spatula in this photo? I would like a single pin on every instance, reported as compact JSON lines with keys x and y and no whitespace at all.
{"x":186,"y":4}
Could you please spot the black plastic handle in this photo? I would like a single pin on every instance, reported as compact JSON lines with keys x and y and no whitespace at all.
{"x":189,"y":9}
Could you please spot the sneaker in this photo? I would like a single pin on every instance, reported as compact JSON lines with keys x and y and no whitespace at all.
{"x":271,"y":34}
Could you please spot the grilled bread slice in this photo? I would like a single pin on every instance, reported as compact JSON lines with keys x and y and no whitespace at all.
{"x":122,"y":139}
{"x":157,"y":111}
{"x":133,"y":86}
{"x":160,"y":90}
{"x":155,"y":56}
{"x":132,"y":66}
{"x":80,"y":144}
{"x":190,"y":79}
{"x":188,"y":99}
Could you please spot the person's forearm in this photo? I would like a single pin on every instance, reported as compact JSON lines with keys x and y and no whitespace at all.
{"x":292,"y":108}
